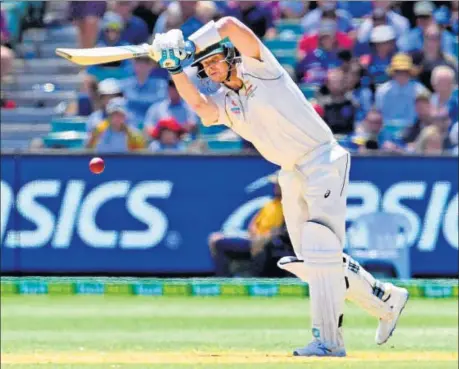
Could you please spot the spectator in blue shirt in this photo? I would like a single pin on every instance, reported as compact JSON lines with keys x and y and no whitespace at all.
{"x":382,"y":15}
{"x":382,"y":51}
{"x":174,"y":106}
{"x":112,"y":27}
{"x":148,"y":86}
{"x":312,"y":19}
{"x":443,"y":82}
{"x":135,"y":29}
{"x":455,"y":17}
{"x":414,"y":39}
{"x":396,"y":98}
{"x":357,"y":9}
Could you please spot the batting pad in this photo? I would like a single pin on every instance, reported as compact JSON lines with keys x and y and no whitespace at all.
{"x":361,"y":285}
{"x":322,"y":252}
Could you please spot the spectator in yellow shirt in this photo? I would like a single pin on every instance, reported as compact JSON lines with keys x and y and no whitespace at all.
{"x":114,"y":133}
{"x":264,"y":225}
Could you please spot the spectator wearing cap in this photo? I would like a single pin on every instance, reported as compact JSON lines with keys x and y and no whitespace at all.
{"x":312,"y":19}
{"x":432,"y":56}
{"x":167,"y":135}
{"x":255,"y":15}
{"x":135,"y":30}
{"x":443,"y":82}
{"x":148,"y":86}
{"x":396,"y":98}
{"x":86,"y":16}
{"x":414,"y":39}
{"x":339,"y":106}
{"x":114,"y":134}
{"x":370,"y":136}
{"x":314,"y":66}
{"x":329,"y":23}
{"x":382,"y":15}
{"x":424,"y":114}
{"x":383,"y":49}
{"x":112,"y":27}
{"x":107,"y":90}
{"x":174,"y":106}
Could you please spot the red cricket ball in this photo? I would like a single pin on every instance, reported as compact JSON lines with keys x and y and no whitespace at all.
{"x":96,"y":165}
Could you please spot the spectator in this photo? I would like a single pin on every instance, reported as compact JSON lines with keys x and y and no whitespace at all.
{"x":442,"y":17}
{"x":174,"y":106}
{"x":453,"y":138}
{"x":315,"y":65}
{"x":114,"y":134}
{"x":357,"y":9}
{"x":107,"y":90}
{"x":360,"y":91}
{"x":148,"y":86}
{"x":370,"y":136}
{"x":266,"y":223}
{"x":207,"y":11}
{"x":339,"y":106}
{"x":167,"y":135}
{"x":443,"y":82}
{"x":187,"y":11}
{"x":414,"y":39}
{"x":432,"y":56}
{"x":310,"y":42}
{"x":112,"y":27}
{"x":312,"y":19}
{"x":86,"y":16}
{"x":382,"y":15}
{"x":429,"y":142}
{"x":455,"y":17}
{"x":396,"y":98}
{"x":6,"y":54}
{"x":149,"y":12}
{"x":382,"y":51}
{"x":256,"y":15}
{"x":292,"y":9}
{"x":424,"y":113}
{"x":135,"y":30}
{"x":441,"y":120}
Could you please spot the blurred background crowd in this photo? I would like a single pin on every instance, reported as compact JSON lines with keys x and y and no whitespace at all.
{"x":382,"y":74}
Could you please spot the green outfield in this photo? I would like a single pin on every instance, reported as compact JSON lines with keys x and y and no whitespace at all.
{"x":196,"y":332}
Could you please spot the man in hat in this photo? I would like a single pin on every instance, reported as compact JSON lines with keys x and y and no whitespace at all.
{"x":261,"y":103}
{"x":396,"y":98}
{"x":414,"y":39}
{"x":114,"y":133}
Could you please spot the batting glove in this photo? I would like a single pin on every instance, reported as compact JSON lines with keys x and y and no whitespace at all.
{"x":170,"y":50}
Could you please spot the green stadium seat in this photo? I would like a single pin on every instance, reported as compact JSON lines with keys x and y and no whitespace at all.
{"x":224,"y":146}
{"x":456,"y":48}
{"x":290,"y":26}
{"x":69,"y":139}
{"x":77,"y":124}
{"x":308,"y":91}
{"x":278,"y":44}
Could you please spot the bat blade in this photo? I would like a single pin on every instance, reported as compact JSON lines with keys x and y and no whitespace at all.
{"x":102,"y":55}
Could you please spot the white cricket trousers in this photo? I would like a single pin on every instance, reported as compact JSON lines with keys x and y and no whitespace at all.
{"x":316,"y":190}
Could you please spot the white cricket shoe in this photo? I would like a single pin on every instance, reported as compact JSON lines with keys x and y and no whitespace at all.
{"x":397,"y":301}
{"x":317,"y":348}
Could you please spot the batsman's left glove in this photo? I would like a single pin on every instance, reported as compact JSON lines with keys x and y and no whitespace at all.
{"x":170,"y":50}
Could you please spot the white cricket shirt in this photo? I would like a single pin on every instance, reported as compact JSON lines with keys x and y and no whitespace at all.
{"x":271,"y":112}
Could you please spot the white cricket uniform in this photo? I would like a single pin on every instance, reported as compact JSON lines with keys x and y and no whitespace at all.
{"x":271,"y":112}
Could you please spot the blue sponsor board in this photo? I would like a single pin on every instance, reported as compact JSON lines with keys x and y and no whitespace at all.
{"x":153,"y":214}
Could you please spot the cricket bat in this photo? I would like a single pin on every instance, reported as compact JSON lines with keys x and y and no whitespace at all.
{"x":102,"y":55}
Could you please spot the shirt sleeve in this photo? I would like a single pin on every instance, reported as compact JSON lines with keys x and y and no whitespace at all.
{"x":266,"y":68}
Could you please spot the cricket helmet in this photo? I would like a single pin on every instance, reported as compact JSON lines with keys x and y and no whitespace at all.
{"x":232,"y":56}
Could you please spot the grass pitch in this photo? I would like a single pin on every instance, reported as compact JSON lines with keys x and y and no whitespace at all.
{"x":94,"y":332}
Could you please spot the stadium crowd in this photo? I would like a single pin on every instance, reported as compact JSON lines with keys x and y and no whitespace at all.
{"x":383,"y":74}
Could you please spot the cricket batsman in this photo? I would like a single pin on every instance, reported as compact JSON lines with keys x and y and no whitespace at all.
{"x":261,"y":103}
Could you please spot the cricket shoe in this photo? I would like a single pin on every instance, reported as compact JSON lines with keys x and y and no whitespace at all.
{"x":397,"y":301}
{"x":317,"y":348}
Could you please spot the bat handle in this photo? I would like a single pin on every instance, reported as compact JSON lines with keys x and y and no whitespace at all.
{"x":190,"y":49}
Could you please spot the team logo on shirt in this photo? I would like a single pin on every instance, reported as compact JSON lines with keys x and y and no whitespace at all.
{"x":235,"y":108}
{"x":249,"y":89}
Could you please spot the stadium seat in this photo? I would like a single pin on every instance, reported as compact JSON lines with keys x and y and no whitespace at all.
{"x":456,"y":47}
{"x":289,"y":26}
{"x":69,"y":139}
{"x":27,"y":115}
{"x":41,"y":98}
{"x":308,"y":91}
{"x":278,"y":44}
{"x":45,"y":67}
{"x":64,"y":124}
{"x":224,"y":146}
